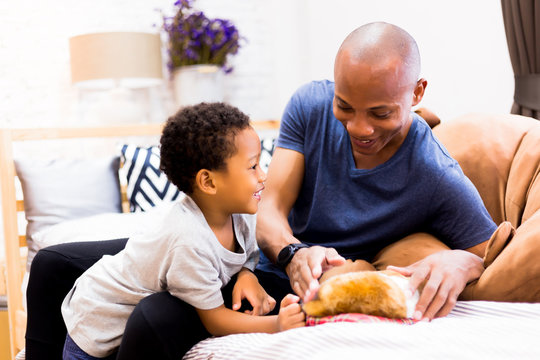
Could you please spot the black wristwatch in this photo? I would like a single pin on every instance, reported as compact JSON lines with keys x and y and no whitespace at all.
{"x":286,"y":254}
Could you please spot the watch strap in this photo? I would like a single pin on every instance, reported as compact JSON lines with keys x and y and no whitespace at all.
{"x":287,"y":253}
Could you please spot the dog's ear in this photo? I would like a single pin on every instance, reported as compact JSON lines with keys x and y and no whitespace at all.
{"x":349,"y":266}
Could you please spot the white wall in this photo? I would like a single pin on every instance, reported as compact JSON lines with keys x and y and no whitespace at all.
{"x":463,"y":47}
{"x":290,"y":42}
{"x":462,"y":44}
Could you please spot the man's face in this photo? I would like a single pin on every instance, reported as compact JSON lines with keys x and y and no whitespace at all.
{"x":373,"y":102}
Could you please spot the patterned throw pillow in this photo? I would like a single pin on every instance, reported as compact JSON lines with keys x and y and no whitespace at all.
{"x":267,"y":150}
{"x":147,"y":186}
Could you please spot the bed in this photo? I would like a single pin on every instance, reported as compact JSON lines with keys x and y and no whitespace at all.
{"x":474,"y":329}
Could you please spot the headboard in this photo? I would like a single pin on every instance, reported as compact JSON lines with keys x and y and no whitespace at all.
{"x":11,"y":206}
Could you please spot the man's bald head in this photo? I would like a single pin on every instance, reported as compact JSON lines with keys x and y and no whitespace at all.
{"x":381,"y":43}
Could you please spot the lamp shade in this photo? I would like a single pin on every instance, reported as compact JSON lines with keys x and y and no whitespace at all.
{"x":103,"y":60}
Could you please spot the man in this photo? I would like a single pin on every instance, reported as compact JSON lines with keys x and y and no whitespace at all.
{"x":355,"y":171}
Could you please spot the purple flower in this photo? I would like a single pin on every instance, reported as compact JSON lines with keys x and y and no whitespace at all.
{"x":184,"y":3}
{"x":195,"y":39}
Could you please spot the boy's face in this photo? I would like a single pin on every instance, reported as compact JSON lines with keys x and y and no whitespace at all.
{"x":241,"y":183}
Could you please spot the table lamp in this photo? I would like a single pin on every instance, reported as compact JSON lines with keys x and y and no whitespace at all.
{"x":119,"y":63}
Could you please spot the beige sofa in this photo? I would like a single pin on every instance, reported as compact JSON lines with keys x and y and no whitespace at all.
{"x":501,"y":156}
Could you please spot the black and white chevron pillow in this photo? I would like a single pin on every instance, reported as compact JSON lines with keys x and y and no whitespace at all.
{"x":267,"y":150}
{"x":147,"y":186}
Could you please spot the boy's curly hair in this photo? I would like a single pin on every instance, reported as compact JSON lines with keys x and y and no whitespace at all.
{"x":199,"y":137}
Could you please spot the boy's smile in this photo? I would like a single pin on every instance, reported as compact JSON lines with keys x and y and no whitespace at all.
{"x":257,"y":195}
{"x":241,"y":183}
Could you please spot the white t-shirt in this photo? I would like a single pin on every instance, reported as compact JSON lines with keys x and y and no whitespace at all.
{"x":180,"y":255}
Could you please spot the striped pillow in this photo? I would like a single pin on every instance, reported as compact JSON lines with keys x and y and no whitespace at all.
{"x":267,"y":150}
{"x":147,"y":186}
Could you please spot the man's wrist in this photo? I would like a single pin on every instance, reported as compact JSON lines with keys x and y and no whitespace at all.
{"x":287,"y":253}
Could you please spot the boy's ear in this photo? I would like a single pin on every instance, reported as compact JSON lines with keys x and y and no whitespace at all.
{"x":205,"y":181}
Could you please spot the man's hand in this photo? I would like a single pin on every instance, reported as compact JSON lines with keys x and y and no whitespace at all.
{"x":306,"y":267}
{"x":446,"y":273}
{"x":247,"y":287}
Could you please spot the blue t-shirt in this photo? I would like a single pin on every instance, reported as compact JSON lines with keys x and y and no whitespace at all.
{"x":421,"y":188}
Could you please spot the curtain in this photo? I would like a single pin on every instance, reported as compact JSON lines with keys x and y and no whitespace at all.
{"x":522,"y":26}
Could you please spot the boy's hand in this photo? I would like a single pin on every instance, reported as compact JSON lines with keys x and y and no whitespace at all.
{"x":290,"y":313}
{"x":247,"y":287}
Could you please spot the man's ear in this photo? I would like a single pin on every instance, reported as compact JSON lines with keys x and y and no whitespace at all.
{"x":419,"y":90}
{"x":205,"y":181}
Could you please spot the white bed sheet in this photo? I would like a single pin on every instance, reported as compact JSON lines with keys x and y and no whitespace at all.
{"x":473,"y":330}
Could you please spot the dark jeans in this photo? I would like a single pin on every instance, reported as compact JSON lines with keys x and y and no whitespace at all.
{"x":161,"y":326}
{"x":72,"y":351}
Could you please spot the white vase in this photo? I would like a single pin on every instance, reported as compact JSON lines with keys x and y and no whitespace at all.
{"x":198,"y":83}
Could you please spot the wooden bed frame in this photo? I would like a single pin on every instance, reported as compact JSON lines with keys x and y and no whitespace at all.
{"x":15,"y":264}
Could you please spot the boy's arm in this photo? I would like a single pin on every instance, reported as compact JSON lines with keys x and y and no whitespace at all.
{"x":222,"y":321}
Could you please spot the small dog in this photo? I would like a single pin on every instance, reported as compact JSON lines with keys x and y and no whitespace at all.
{"x":356,"y":287}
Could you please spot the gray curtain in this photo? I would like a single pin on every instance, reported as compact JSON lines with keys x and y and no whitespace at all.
{"x":522,"y":25}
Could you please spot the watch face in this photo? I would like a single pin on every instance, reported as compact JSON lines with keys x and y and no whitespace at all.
{"x":284,"y":254}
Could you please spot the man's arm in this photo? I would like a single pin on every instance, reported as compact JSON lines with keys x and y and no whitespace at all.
{"x":282,"y":187}
{"x":284,"y":180}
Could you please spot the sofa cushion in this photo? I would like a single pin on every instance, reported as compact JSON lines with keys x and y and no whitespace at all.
{"x":498,"y":241}
{"x":485,"y":146}
{"x":514,"y":272}
{"x":523,"y":189}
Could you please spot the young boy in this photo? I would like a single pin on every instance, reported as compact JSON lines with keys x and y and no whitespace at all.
{"x":211,"y":153}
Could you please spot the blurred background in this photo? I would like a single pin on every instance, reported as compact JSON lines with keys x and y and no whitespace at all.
{"x":287,"y":43}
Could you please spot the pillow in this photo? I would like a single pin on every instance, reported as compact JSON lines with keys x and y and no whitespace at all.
{"x":64,"y":189}
{"x":267,"y":150}
{"x":100,"y":227}
{"x":147,"y":186}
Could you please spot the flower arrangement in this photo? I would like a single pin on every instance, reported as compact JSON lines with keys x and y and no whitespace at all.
{"x":195,"y":39}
